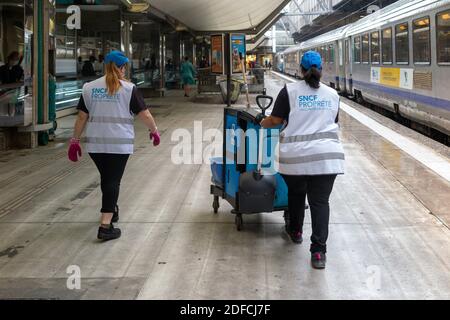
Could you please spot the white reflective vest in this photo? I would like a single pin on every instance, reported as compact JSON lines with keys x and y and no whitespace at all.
{"x":110,"y":128}
{"x":309,"y":145}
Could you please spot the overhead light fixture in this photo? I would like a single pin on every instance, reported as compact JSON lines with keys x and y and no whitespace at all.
{"x":136,"y":7}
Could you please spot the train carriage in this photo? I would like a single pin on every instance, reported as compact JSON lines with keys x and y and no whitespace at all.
{"x":397,"y":58}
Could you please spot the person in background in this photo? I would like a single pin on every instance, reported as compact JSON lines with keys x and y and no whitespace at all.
{"x":88,"y":68}
{"x":310,"y":154}
{"x":188,"y":73}
{"x":204,"y":63}
{"x":99,"y":65}
{"x":79,"y":65}
{"x":106,"y":109}
{"x":169,"y":65}
{"x":11,"y":72}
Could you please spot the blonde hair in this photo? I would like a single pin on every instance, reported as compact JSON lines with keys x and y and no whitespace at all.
{"x":113,"y":77}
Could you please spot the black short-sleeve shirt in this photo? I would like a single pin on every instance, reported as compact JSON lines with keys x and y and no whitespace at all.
{"x":137,"y":103}
{"x":282,"y":107}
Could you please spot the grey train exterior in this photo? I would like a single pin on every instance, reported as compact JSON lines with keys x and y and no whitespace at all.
{"x":397,"y":58}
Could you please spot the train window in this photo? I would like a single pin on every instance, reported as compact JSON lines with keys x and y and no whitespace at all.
{"x":365,"y":48}
{"x":357,"y":49}
{"x":402,"y":43}
{"x":443,"y":37}
{"x":331,"y":53}
{"x":386,"y":46}
{"x":421,"y":41}
{"x":324,"y":53}
{"x":375,"y":47}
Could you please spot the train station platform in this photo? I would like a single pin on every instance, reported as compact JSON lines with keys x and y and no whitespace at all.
{"x":389,"y":229}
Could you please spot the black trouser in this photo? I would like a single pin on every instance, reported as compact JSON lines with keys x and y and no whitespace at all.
{"x":318,"y":189}
{"x":111,"y":168}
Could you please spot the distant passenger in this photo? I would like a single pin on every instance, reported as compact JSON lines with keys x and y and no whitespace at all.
{"x":188,"y":73}
{"x":204,"y":63}
{"x":79,"y":65}
{"x":11,"y":72}
{"x":107,"y":108}
{"x":99,"y":64}
{"x":88,"y":68}
{"x":310,"y":155}
{"x":169,"y":66}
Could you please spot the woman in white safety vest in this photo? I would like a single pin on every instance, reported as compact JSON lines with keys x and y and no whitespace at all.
{"x":107,"y":108}
{"x":310,"y":153}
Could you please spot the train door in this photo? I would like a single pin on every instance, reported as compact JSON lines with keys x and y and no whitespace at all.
{"x":348,"y":67}
{"x":341,"y":67}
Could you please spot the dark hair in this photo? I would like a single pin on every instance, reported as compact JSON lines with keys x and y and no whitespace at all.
{"x":13,"y":55}
{"x":186,"y":58}
{"x":312,"y":77}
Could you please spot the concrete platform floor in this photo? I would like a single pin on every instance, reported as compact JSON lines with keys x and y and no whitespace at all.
{"x":389,"y":234}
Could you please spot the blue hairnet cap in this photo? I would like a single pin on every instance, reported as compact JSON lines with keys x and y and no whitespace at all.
{"x":117,"y":57}
{"x":311,"y":59}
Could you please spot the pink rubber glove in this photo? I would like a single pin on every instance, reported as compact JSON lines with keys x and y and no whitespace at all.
{"x":74,"y":152}
{"x":155,"y":137}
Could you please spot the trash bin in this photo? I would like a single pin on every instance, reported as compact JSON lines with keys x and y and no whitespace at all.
{"x":217,"y":171}
{"x":235,"y":90}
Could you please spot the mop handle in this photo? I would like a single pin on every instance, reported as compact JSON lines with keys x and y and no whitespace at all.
{"x":245,"y":81}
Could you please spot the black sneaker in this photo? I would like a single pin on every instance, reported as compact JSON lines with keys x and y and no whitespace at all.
{"x":115,"y":217}
{"x":110,"y":233}
{"x":296,"y":236}
{"x":318,"y":260}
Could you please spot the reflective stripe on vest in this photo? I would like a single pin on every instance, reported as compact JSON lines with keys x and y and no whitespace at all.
{"x":310,"y":137}
{"x":111,"y":120}
{"x":313,"y":158}
{"x":102,"y":140}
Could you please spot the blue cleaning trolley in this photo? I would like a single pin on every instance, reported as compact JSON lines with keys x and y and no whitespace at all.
{"x":237,"y":177}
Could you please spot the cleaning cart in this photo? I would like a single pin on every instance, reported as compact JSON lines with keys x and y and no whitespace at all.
{"x":246,"y":176}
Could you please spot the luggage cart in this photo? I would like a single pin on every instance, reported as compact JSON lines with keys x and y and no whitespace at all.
{"x":234,"y":172}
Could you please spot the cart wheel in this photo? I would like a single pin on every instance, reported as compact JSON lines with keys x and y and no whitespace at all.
{"x":216,"y":204}
{"x":239,"y":222}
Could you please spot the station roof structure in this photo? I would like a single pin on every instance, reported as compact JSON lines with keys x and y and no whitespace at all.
{"x":208,"y":16}
{"x":344,"y":12}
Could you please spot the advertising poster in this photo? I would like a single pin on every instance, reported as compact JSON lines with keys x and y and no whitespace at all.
{"x":217,"y":54}
{"x":238,"y":51}
{"x":393,"y":77}
{"x":390,"y":77}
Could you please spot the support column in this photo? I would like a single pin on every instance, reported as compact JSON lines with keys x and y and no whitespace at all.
{"x":227,"y":47}
{"x":162,"y":59}
{"x":125,"y":39}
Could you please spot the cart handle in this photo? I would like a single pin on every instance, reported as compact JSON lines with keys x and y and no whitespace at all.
{"x":260,"y":105}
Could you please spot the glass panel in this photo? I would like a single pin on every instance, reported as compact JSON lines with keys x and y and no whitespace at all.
{"x":357,"y":49}
{"x":402,"y":43}
{"x":387,"y":46}
{"x":79,"y":54}
{"x":443,"y":37}
{"x":16,"y":37}
{"x":375,"y":47}
{"x":365,"y":48}
{"x":331,"y":53}
{"x":421,"y":41}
